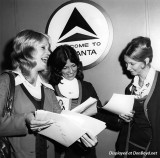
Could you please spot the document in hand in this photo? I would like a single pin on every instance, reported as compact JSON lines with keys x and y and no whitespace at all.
{"x":69,"y":126}
{"x":89,"y":107}
{"x":120,"y":104}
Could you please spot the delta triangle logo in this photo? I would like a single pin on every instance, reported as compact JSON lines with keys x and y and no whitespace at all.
{"x":77,"y":20}
{"x":83,"y":25}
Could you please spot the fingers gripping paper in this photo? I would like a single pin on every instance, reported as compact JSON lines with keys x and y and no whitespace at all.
{"x":69,"y":126}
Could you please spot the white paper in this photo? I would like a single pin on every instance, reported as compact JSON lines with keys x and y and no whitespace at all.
{"x":68,"y":126}
{"x":120,"y":104}
{"x":89,"y":107}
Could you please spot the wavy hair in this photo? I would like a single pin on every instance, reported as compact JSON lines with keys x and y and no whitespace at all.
{"x":24,"y":45}
{"x":58,"y":60}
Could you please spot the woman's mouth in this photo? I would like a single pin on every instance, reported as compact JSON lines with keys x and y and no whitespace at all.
{"x":71,"y":75}
{"x":45,"y":60}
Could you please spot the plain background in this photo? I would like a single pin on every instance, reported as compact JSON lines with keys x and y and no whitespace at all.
{"x":130,"y":18}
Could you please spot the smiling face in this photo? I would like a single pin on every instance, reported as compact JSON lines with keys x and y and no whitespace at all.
{"x":41,"y":55}
{"x":136,"y":68}
{"x":69,"y":71}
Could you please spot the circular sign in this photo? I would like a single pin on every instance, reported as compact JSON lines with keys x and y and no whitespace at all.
{"x":85,"y":26}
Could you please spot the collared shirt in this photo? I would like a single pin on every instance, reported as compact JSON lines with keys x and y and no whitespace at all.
{"x":35,"y":91}
{"x":141,"y":92}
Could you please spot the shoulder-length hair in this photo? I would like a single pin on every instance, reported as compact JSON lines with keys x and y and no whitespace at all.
{"x":23,"y":48}
{"x":58,"y":60}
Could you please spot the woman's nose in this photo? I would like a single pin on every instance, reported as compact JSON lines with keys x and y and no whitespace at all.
{"x":128,"y":66}
{"x":70,"y":70}
{"x":48,"y":52}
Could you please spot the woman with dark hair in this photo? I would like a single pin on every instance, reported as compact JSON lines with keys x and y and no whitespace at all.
{"x":139,"y":135}
{"x":58,"y":60}
{"x":67,"y":79}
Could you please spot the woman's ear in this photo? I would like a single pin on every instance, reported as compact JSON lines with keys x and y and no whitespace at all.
{"x":146,"y":61}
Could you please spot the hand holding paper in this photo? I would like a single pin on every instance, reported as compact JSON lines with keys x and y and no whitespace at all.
{"x":89,"y":140}
{"x":36,"y":123}
{"x":127,"y":117}
{"x":120,"y":104}
{"x":68,"y":126}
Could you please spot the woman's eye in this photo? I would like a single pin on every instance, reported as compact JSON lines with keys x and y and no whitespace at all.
{"x":74,"y":65}
{"x":65,"y":68}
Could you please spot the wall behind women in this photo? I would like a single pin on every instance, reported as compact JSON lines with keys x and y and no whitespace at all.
{"x":130,"y":18}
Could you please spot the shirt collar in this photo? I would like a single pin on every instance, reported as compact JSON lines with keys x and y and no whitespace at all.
{"x":19,"y":79}
{"x":148,"y":79}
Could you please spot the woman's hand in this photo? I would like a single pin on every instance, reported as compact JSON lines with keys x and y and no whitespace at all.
{"x":89,"y":140}
{"x":127,"y":117}
{"x":37,"y":125}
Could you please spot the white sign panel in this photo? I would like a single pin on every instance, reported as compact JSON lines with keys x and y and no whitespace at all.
{"x":85,"y":26}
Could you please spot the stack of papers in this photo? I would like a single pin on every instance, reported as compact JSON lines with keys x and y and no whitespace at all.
{"x":69,"y":126}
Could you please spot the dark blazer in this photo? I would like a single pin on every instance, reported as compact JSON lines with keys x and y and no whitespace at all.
{"x":89,"y":91}
{"x":86,"y":90}
{"x":152,"y":108}
{"x":152,"y":112}
{"x":77,"y":150}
